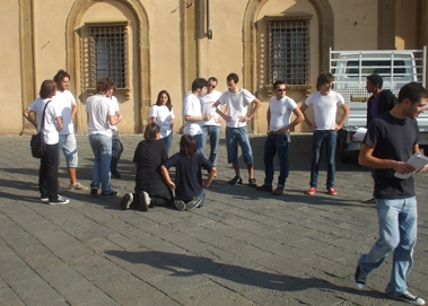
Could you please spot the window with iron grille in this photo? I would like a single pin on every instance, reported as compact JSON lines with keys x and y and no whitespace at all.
{"x":105,"y":52}
{"x":288,"y":42}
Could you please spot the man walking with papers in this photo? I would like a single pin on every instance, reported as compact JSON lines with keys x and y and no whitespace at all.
{"x":392,"y":138}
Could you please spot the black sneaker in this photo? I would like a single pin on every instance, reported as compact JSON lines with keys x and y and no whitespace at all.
{"x":360,"y":278}
{"x":109,"y":194}
{"x":58,"y":201}
{"x":193,"y":204}
{"x":44,"y":198}
{"x":126,"y":201}
{"x":144,"y":201}
{"x":116,"y":174}
{"x":94,"y":191}
{"x":235,"y":180}
{"x":407,"y":298}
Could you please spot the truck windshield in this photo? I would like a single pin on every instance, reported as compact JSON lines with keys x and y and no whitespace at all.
{"x":381,"y":67}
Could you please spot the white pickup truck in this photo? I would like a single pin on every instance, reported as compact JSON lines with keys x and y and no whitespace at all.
{"x":350,"y":70}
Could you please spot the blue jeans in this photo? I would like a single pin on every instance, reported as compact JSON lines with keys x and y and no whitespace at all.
{"x":276,"y":143}
{"x":319,"y":137}
{"x":198,"y":139}
{"x":213,"y":131}
{"x":233,"y":137}
{"x":167,"y":141}
{"x":397,"y":232}
{"x":102,"y":148}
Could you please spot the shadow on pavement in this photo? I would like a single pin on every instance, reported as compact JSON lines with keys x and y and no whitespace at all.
{"x":197,"y":265}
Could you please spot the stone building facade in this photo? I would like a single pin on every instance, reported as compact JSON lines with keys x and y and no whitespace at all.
{"x":150,"y":45}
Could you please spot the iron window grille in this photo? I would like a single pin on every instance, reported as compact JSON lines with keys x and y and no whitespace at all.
{"x":105,"y":55}
{"x":288,"y":43}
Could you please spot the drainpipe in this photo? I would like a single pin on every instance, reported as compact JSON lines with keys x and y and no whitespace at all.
{"x":209,"y":32}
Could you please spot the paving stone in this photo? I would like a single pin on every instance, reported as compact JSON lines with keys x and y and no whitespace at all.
{"x":242,"y":248}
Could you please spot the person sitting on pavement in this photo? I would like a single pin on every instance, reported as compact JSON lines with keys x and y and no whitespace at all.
{"x":150,"y":190}
{"x":188,"y":186}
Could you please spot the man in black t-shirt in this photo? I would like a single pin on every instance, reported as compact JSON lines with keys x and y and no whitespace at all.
{"x":391,"y":140}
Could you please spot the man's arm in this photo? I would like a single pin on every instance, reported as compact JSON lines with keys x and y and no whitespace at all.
{"x":299,"y":118}
{"x":203,"y":117}
{"x":166,"y":176}
{"x":58,"y":121}
{"x":115,"y":119}
{"x":223,"y":115}
{"x":303,"y":108}
{"x":367,"y":159}
{"x":345,"y":115}
{"x":27,"y":116}
{"x":257,"y":106}
{"x":268,"y":116}
{"x":73,"y":111}
{"x":210,"y":178}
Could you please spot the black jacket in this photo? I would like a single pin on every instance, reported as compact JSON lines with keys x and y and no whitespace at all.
{"x":387,"y":101}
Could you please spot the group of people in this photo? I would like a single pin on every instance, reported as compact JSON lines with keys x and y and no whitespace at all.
{"x":392,"y":138}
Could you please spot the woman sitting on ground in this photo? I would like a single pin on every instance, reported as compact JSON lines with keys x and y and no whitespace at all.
{"x":189,"y":188}
{"x":150,"y":190}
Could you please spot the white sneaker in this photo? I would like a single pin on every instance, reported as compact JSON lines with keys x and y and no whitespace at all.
{"x":59,"y":201}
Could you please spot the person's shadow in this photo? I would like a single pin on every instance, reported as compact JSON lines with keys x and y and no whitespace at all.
{"x":196,"y":265}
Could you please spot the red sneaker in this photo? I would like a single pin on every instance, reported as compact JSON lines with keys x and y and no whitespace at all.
{"x":311,"y":190}
{"x":331,"y":191}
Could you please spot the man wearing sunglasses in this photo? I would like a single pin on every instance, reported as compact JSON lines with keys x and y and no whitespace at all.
{"x":279,"y":126}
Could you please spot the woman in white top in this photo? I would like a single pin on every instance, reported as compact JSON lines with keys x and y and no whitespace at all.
{"x":50,"y":124}
{"x":163,"y":115}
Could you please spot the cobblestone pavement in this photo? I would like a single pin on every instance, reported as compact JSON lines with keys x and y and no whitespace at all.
{"x":242,"y":248}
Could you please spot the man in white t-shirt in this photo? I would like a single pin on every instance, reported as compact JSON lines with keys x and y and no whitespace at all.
{"x":101,"y":116}
{"x":192,"y":111}
{"x":211,"y":128}
{"x":237,"y":100}
{"x":117,"y":147}
{"x":67,"y":141}
{"x":325,"y":102}
{"x":278,"y":124}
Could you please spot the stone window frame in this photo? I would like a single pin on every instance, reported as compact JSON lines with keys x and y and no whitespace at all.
{"x":118,"y":32}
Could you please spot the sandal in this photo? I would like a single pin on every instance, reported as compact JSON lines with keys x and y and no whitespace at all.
{"x":252,"y":182}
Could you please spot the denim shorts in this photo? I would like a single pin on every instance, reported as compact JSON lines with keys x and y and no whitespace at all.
{"x":233,"y":137}
{"x":68,"y":145}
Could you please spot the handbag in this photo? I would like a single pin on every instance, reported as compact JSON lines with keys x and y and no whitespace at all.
{"x":37,"y":142}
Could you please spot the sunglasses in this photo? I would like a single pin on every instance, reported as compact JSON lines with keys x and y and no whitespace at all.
{"x":213,"y":86}
{"x":281,"y":90}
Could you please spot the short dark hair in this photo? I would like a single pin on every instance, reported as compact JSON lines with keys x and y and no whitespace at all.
{"x":375,"y":79}
{"x":199,"y":83}
{"x":324,"y":78}
{"x":412,"y":91}
{"x":168,"y":103}
{"x":104,"y":85}
{"x":47,"y":90}
{"x":60,"y":75}
{"x":214,"y":79}
{"x":232,"y":77}
{"x":277,"y":83}
{"x":187,"y":145}
{"x":151,"y":130}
